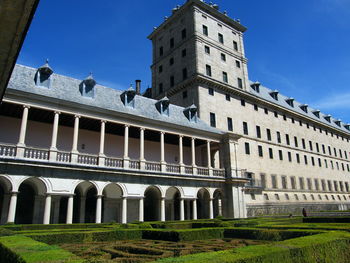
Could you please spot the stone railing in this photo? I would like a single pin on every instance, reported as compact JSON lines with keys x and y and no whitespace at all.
{"x":63,"y":157}
{"x":173,"y":168}
{"x":30,"y":153}
{"x":7,"y":150}
{"x":114,"y":162}
{"x":87,"y":159}
{"x":36,"y":154}
{"x":134,"y":164}
{"x":153,"y":166}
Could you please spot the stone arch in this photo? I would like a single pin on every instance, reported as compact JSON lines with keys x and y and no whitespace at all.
{"x":153,"y":195}
{"x":172,"y":203}
{"x":203,"y":197}
{"x":112,"y":202}
{"x":218,"y":205}
{"x":84,"y":207}
{"x":5,"y":190}
{"x":31,"y":200}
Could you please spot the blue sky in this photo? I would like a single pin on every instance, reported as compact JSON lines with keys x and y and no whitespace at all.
{"x":300,"y":47}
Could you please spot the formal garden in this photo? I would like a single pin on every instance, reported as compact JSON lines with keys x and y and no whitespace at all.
{"x":282,"y":239}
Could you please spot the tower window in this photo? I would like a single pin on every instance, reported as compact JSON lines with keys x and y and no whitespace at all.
{"x":245,"y":128}
{"x":205,"y":30}
{"x":221,"y":38}
{"x":270,"y":153}
{"x":238,"y":64}
{"x":184,"y":73}
{"x":161,"y":51}
{"x":160,"y":69}
{"x":171,"y":61}
{"x":172,"y":42}
{"x":224,"y":77}
{"x":235,"y":45}
{"x":211,"y":91}
{"x":184,"y":53}
{"x":184,"y":94}
{"x":207,"y":49}
{"x":160,"y":88}
{"x":240,"y":83}
{"x":183,"y":33}
{"x":223,"y":57}
{"x":212,"y":120}
{"x":229,"y":124}
{"x":260,"y":151}
{"x":172,"y":81}
{"x":208,"y":70}
{"x":228,"y":97}
{"x":247,"y":148}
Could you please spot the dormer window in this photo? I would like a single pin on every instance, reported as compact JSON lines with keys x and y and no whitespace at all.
{"x":191,"y":113}
{"x":87,"y":87}
{"x":304,"y":107}
{"x":42,"y":77}
{"x":328,"y":118}
{"x":256,"y":86}
{"x":128,"y":97}
{"x":316,"y":113}
{"x":290,"y":102}
{"x":163,"y":106}
{"x":347,"y":126}
{"x":274,"y":94}
{"x":338,"y":122}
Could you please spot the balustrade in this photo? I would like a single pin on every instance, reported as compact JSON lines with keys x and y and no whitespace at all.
{"x":188,"y":170}
{"x":63,"y":157}
{"x":219,"y":172}
{"x":202,"y":171}
{"x":173,"y":168}
{"x":36,"y":154}
{"x":87,"y":159}
{"x":153,"y":166}
{"x":114,"y":162}
{"x":7,"y":150}
{"x":133,"y":164}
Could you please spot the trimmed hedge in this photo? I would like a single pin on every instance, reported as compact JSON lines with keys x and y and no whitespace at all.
{"x":56,"y":226}
{"x":83,"y":237}
{"x":183,"y":235}
{"x":21,"y":249}
{"x":326,"y":219}
{"x":331,"y":247}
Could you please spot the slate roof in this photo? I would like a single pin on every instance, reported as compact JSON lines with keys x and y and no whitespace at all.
{"x":265,"y":94}
{"x":67,"y":89}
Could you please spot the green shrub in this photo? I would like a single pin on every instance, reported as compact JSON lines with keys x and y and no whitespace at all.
{"x":326,"y":220}
{"x":145,"y":225}
{"x":5,"y":232}
{"x":56,"y":226}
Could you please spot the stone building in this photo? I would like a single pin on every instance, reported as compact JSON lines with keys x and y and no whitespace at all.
{"x":209,"y":142}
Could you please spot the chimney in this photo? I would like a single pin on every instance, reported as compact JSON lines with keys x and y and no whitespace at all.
{"x":138,"y":87}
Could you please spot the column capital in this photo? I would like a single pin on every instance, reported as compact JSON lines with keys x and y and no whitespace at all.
{"x":181,"y":135}
{"x":77,"y":116}
{"x":26,"y":106}
{"x":14,"y":192}
{"x":126,"y":125}
{"x":193,"y":138}
{"x":209,"y":141}
{"x":162,"y":132}
{"x":142,"y":128}
{"x":57,"y":112}
{"x":103,"y":121}
{"x":99,"y":196}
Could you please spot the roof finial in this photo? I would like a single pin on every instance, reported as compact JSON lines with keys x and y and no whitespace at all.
{"x":47,"y":61}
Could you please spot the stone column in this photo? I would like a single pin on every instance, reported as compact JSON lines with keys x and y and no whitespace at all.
{"x":101,"y":155}
{"x":162,"y":209}
{"x":47,"y":211}
{"x":211,"y":209}
{"x":82,"y":209}
{"x":53,"y":148}
{"x":12,"y":208}
{"x":142,"y":149}
{"x":209,"y":159}
{"x":98,"y":209}
{"x":124,"y":210}
{"x":162,"y":150}
{"x":194,"y":203}
{"x":69,"y":219}
{"x":74,"y":154}
{"x":22,"y":135}
{"x":5,"y":208}
{"x":193,"y":149}
{"x":181,"y":155}
{"x":141,"y":214}
{"x":182,"y":209}
{"x":126,"y":147}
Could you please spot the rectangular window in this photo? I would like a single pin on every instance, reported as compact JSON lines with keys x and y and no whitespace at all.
{"x":310,"y":144}
{"x":212,"y":120}
{"x":256,"y":108}
{"x":292,"y":182}
{"x":295,"y":141}
{"x":247,"y":148}
{"x":238,"y":64}
{"x":278,"y":137}
{"x":208,"y":70}
{"x":205,"y":30}
{"x":274,"y":181}
{"x":172,"y":42}
{"x":289,"y":156}
{"x":183,"y":33}
{"x":235,"y":45}
{"x":171,"y":61}
{"x":287,"y":139}
{"x":245,"y":128}
{"x":263,"y":180}
{"x":298,"y":157}
{"x":172,"y":81}
{"x":258,"y":132}
{"x":301,"y":183}
{"x":221,"y":38}
{"x":161,"y":51}
{"x":242,"y":102}
{"x":305,"y":159}
{"x":228,"y":97}
{"x":260,"y":151}
{"x":270,"y":153}
{"x":309,"y":184}
{"x":268,"y":133}
{"x":280,"y":153}
{"x":184,"y":52}
{"x":266,"y":111}
{"x":224,"y":77}
{"x":160,"y":88}
{"x":211,"y":91}
{"x":229,"y":124}
{"x":184,"y":73}
{"x":303,"y":143}
{"x":184,"y":94}
{"x":313,"y":161}
{"x":223,"y":57}
{"x":276,"y":114}
{"x":207,"y":49}
{"x":284,"y":182}
{"x":160,"y":69}
{"x":240,"y":83}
